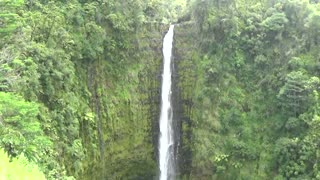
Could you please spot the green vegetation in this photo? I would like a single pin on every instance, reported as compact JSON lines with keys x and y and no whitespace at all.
{"x":21,"y":131}
{"x":254,"y":113}
{"x":79,"y":88}
{"x":79,"y":85}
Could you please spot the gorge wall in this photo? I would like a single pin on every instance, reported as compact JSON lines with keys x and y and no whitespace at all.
{"x":80,"y":87}
{"x":184,"y":81}
{"x":126,"y":112}
{"x":248,"y":82}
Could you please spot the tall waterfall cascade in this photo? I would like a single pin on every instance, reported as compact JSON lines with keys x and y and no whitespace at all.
{"x":166,"y":138}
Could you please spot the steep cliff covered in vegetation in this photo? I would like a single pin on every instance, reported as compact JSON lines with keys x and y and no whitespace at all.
{"x":249,"y":84}
{"x":79,"y":85}
{"x":80,"y":82}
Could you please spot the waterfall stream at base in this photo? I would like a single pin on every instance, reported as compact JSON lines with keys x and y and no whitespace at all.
{"x":166,"y":138}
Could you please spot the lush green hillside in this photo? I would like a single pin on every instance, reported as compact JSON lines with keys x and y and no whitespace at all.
{"x":80,"y":82}
{"x":250,"y":89}
{"x":79,"y":85}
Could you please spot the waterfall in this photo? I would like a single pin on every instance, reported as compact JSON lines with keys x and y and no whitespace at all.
{"x":166,"y":138}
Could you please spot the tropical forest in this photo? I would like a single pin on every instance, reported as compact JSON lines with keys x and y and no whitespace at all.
{"x":159,"y":90}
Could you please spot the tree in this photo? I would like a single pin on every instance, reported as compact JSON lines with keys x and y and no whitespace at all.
{"x":9,"y":18}
{"x":20,"y":130}
{"x":294,"y":94}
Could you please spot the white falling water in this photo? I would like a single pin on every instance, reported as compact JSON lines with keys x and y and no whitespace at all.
{"x":166,"y":130}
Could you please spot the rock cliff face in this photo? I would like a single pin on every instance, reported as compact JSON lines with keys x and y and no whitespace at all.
{"x":126,"y":111}
{"x":184,"y":81}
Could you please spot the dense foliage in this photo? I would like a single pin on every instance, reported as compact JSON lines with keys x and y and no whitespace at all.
{"x":79,"y":88}
{"x":78,"y":85}
{"x":255,"y":109}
